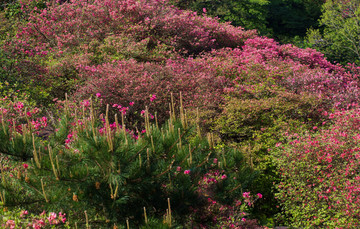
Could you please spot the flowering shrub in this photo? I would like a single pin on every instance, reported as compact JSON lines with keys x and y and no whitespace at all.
{"x":319,"y":171}
{"x":24,"y":219}
{"x":68,"y":25}
{"x":125,"y":82}
{"x":265,"y":62}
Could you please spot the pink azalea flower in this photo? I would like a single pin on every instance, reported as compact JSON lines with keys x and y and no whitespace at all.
{"x":246,"y":194}
{"x":23,"y":213}
{"x":10,"y":224}
{"x":152,"y":98}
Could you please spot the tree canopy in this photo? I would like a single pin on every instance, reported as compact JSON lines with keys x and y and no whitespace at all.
{"x":340,"y":38}
{"x":280,"y":19}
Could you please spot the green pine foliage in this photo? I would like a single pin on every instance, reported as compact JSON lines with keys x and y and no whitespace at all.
{"x":111,"y":174}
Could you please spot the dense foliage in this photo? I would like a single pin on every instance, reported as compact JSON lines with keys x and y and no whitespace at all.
{"x":283,"y":20}
{"x":281,"y":147}
{"x":339,"y":39}
{"x":320,"y":171}
{"x":103,"y":170}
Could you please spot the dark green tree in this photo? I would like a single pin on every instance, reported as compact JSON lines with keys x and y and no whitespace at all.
{"x":284,"y":20}
{"x":249,"y":14}
{"x":290,"y":18}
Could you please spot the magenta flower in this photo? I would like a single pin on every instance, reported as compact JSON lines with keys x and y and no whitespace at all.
{"x":178,"y":169}
{"x":259,"y":195}
{"x":246,"y":194}
{"x":25,"y":166}
{"x":23,"y":213}
{"x":98,"y":95}
{"x":131,"y":103}
{"x":152,"y":98}
{"x":52,"y":218}
{"x":20,"y":105}
{"x":85,"y":103}
{"x":187,"y":172}
{"x":62,"y":217}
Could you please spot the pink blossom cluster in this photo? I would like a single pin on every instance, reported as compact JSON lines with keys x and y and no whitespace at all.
{"x":39,"y":123}
{"x":36,"y":221}
{"x":16,"y":115}
{"x":207,"y":185}
{"x":249,"y":199}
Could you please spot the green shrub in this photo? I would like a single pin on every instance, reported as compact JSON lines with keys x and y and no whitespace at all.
{"x":259,"y":108}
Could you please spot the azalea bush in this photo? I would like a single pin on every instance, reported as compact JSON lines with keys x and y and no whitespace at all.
{"x":99,"y":19}
{"x":148,"y":84}
{"x":25,"y":219}
{"x":319,"y":173}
